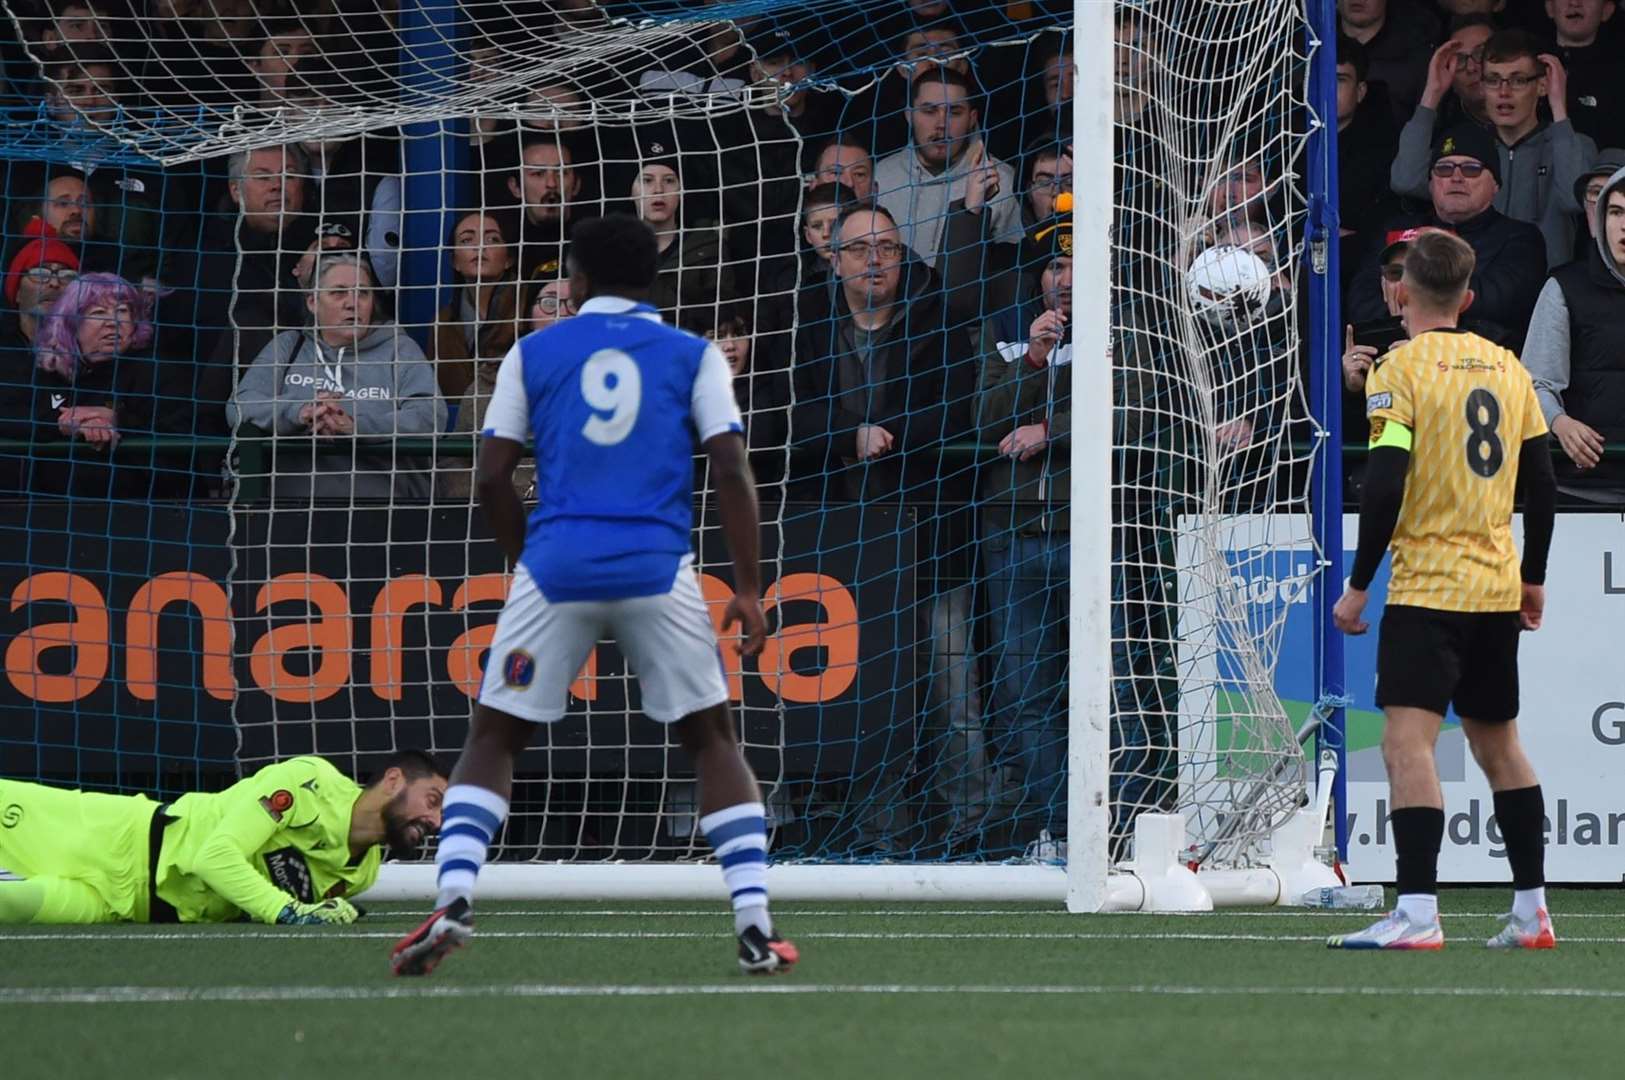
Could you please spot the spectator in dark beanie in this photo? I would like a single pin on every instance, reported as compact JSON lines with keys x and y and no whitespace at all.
{"x":1537,"y":160}
{"x":1465,"y":176}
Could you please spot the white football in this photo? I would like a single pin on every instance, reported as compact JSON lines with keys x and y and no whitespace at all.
{"x":1228,"y":284}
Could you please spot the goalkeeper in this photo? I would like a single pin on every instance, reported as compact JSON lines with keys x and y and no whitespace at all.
{"x":286,"y":845}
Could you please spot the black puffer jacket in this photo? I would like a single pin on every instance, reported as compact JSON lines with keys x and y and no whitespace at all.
{"x":1506,"y":282}
{"x":924,"y":399}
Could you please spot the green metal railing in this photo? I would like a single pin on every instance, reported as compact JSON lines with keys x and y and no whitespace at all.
{"x":252,"y":452}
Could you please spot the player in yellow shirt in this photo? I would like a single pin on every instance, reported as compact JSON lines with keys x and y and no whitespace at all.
{"x":287,"y":845}
{"x":1455,"y":432}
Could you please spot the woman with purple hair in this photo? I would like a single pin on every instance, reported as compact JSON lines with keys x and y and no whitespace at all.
{"x":92,"y":384}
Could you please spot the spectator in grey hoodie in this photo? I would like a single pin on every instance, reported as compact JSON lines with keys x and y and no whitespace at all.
{"x":1540,"y":159}
{"x":334,"y":395}
{"x":946,"y":169}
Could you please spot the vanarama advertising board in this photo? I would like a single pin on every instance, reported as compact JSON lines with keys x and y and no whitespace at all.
{"x":148,"y":633}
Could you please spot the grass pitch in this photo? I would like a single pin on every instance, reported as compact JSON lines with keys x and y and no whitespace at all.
{"x":904,"y":992}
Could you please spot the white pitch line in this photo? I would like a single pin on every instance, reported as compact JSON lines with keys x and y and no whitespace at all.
{"x":146,"y":995}
{"x":925,"y":911}
{"x":319,"y":936}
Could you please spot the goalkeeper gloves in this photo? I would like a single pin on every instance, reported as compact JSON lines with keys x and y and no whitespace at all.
{"x":336,"y":912}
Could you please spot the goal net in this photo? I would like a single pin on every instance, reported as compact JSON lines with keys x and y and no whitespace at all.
{"x":247,"y":529}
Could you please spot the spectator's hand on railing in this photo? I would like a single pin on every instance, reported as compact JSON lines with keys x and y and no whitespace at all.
{"x":334,"y":421}
{"x":1580,"y":442}
{"x":1357,"y":361}
{"x":1441,"y":73}
{"x":1024,"y":442}
{"x":326,"y":417}
{"x":1042,"y":335}
{"x":96,"y":424}
{"x":873,"y":441}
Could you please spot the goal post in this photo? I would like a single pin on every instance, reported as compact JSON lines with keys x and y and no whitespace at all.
{"x":1089,"y":705}
{"x":975,"y":688}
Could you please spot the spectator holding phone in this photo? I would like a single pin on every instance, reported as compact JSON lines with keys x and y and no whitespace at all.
{"x":1372,"y":338}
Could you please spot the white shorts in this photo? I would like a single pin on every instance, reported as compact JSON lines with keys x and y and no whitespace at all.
{"x":668,"y":641}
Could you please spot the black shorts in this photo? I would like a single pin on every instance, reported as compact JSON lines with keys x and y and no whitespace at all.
{"x":1430,"y":660}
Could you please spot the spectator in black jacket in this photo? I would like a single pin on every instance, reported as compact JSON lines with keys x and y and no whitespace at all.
{"x":1511,"y":264}
{"x":1539,"y":157}
{"x":247,"y":285}
{"x":93,"y":385}
{"x":882,"y":386}
{"x":843,"y":160}
{"x":693,"y":269}
{"x":1596,"y":85}
{"x":1576,"y":353}
{"x":286,"y":41}
{"x":1398,"y":39}
{"x":1366,"y":141}
{"x":761,"y":384}
{"x":547,"y":186}
{"x":36,"y":275}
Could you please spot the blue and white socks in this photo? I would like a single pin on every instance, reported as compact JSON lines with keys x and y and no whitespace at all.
{"x":470,"y":820}
{"x":738,"y":835}
{"x":473,"y":816}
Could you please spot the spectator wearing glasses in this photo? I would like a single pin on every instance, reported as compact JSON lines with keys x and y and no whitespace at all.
{"x":1596,"y":89}
{"x":1589,"y":189}
{"x":881,"y":387}
{"x":1510,"y":269}
{"x":35,"y":276}
{"x":550,"y":302}
{"x":247,"y":287}
{"x":1454,"y":94}
{"x":1576,"y":347}
{"x":805,"y":289}
{"x":92,"y":386}
{"x":1538,"y":160}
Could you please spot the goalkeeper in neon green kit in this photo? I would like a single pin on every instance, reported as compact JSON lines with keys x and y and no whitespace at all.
{"x":287,"y":845}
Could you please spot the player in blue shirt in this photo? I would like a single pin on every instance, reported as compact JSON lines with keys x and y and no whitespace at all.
{"x":615,"y":401}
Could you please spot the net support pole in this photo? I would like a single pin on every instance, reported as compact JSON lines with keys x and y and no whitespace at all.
{"x":1089,"y":660}
{"x":1326,"y":394}
{"x":434,"y":156}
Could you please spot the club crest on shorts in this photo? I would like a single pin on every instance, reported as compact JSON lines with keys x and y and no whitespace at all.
{"x":519,"y":668}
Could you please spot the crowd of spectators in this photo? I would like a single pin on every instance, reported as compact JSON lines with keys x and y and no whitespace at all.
{"x":884,"y":261}
{"x":1500,"y":121}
